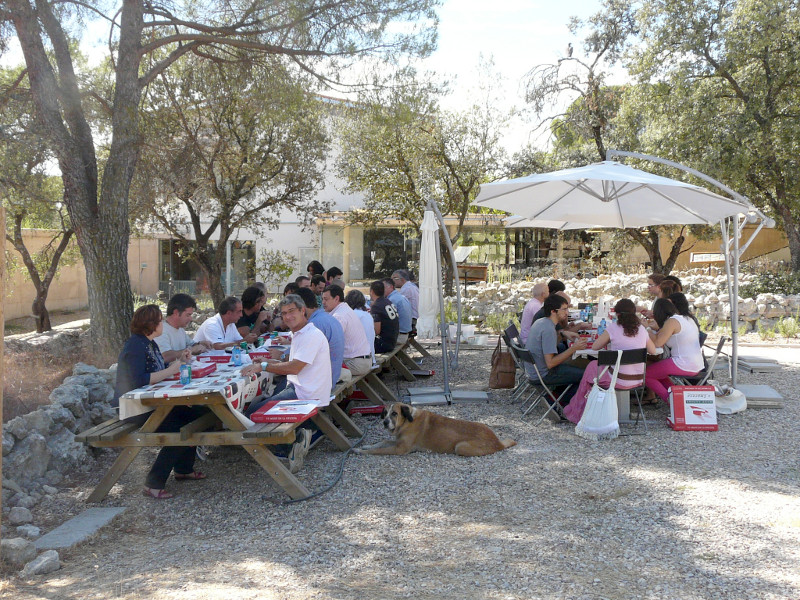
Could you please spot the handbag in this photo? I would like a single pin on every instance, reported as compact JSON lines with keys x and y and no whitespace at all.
{"x":600,"y":419}
{"x":504,"y":370}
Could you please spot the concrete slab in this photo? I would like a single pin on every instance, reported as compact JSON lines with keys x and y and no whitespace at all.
{"x":427,"y":399}
{"x":425,"y":390}
{"x":756,"y":358}
{"x":759,"y":392}
{"x":469,"y":396}
{"x":759,"y":367}
{"x":78,"y":529}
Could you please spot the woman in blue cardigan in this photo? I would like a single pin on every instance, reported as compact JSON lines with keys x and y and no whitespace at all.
{"x":140,"y":363}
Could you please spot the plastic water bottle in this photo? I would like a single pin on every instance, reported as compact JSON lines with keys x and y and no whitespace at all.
{"x":601,"y":327}
{"x":236,"y":356}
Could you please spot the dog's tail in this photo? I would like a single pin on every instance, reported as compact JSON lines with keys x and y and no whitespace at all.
{"x":507,"y":443}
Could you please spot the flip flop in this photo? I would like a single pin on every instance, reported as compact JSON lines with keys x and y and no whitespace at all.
{"x":157,"y":494}
{"x":194,"y":476}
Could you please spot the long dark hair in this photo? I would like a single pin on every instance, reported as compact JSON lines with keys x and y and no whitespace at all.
{"x":663,"y":309}
{"x":626,"y":317}
{"x":682,"y":306}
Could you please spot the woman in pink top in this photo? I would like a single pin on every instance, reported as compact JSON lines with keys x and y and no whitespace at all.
{"x":626,"y":334}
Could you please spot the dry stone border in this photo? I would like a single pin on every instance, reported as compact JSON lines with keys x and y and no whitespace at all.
{"x":702,"y":292}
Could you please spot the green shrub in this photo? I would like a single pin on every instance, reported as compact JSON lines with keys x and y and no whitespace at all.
{"x":765,"y":333}
{"x":788,"y":327}
{"x":782,"y":281}
{"x":497,"y":322}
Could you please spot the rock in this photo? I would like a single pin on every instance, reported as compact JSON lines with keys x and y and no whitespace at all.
{"x":46,"y":562}
{"x":84,"y":369}
{"x":29,"y":459}
{"x":49,"y":489}
{"x":53,"y":477}
{"x":71,"y":396}
{"x":30,"y":532}
{"x":38,"y":421}
{"x":65,"y":452}
{"x":17,"y":427}
{"x":62,"y":417}
{"x":17,"y":551}
{"x":25,"y":501}
{"x":10,"y":484}
{"x":8,"y":443}
{"x":19,"y":515}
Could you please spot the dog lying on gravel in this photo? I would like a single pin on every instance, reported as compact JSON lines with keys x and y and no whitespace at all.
{"x":416,"y":429}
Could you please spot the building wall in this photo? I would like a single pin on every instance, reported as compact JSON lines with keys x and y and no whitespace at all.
{"x":68,"y":290}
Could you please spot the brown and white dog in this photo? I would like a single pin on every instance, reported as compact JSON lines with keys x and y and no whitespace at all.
{"x":416,"y":429}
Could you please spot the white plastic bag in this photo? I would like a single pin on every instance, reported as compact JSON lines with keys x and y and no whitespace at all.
{"x":600,"y":419}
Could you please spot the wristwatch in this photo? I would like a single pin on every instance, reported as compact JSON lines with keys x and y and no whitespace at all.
{"x":264,"y":365}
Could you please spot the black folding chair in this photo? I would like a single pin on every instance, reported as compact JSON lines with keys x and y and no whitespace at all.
{"x":541,"y":389}
{"x":608,"y":358}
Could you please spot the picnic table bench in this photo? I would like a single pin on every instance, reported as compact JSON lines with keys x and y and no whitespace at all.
{"x":222,"y":425}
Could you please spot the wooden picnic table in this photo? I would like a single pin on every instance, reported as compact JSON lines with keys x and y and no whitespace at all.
{"x":224,"y":394}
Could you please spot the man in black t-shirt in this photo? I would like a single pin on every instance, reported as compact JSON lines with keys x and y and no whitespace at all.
{"x":384,"y":314}
{"x":253,"y":319}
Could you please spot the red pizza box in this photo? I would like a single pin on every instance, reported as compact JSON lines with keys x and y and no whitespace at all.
{"x":215,"y":356}
{"x":259,"y":354}
{"x":692,"y":408}
{"x":285,"y":411}
{"x":199,"y":370}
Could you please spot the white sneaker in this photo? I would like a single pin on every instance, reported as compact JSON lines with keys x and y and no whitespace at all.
{"x":299,"y":450}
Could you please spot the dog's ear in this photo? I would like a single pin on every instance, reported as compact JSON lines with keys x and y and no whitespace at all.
{"x":405,"y":410}
{"x":384,"y":412}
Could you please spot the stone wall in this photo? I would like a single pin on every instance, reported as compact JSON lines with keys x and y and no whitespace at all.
{"x":706,"y":295}
{"x":39,"y":447}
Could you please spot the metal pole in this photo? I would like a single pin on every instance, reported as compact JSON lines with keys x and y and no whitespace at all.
{"x":443,"y":328}
{"x":449,"y":244}
{"x":734,"y":300}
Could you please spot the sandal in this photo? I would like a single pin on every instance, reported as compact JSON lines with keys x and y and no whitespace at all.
{"x":194,"y":476}
{"x":156,"y":493}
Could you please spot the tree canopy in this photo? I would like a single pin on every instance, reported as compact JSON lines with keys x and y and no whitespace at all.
{"x":318,"y":36}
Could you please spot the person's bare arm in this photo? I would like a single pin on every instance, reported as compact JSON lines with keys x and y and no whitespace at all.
{"x":670,"y":328}
{"x":163,"y":374}
{"x":553,"y":360}
{"x":602,"y":341}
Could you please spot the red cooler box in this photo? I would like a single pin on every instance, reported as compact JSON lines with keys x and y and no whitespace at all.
{"x":692,"y":408}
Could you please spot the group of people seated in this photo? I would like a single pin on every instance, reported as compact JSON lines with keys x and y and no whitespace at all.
{"x":552,"y":342}
{"x":334,"y":336}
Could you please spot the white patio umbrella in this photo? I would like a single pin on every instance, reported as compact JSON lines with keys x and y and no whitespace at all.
{"x":610,"y":194}
{"x":430,"y":276}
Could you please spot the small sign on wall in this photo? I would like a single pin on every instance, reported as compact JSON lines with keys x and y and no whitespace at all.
{"x":704,"y":257}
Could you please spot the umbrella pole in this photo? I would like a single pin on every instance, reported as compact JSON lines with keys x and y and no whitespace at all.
{"x":443,"y":326}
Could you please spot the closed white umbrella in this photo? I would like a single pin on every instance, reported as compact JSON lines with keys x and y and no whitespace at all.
{"x":430,"y":275}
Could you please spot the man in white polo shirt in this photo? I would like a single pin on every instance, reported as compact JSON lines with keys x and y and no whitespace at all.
{"x":220,"y":329}
{"x":308,"y":370}
{"x":357,"y":351}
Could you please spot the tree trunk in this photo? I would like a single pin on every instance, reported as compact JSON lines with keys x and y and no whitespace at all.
{"x":40,"y":311}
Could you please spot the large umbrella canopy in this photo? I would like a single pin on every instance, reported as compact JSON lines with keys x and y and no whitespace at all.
{"x":516,"y":222}
{"x":607,"y":194}
{"x":430,"y":275}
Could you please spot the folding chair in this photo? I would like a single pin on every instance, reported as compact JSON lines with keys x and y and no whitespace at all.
{"x":708,"y":371}
{"x":541,"y":389}
{"x":522,"y":381}
{"x":513,"y":334}
{"x":608,"y":358}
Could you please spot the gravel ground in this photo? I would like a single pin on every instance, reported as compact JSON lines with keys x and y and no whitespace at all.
{"x":668,"y":515}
